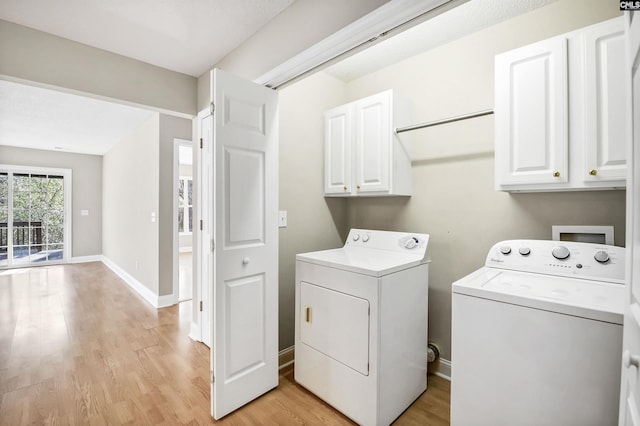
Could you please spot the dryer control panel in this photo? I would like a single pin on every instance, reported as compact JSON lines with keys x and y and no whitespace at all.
{"x":404,"y":242}
{"x":563,"y":258}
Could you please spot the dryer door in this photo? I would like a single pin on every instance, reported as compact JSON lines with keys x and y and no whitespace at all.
{"x":336,"y":324}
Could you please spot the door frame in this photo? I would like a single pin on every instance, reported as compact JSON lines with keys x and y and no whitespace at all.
{"x":67,"y":175}
{"x":175,"y":257}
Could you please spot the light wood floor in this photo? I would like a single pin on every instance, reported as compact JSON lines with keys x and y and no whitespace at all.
{"x":77,"y":347}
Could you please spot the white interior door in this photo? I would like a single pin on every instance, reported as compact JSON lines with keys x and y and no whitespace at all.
{"x":630,"y":392}
{"x":205,"y":226}
{"x":245,"y":296}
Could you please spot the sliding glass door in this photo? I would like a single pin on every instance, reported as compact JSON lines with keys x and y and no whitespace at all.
{"x":34,"y":216}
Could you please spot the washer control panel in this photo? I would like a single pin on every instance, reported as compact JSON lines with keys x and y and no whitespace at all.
{"x":564,"y":258}
{"x":388,"y":240}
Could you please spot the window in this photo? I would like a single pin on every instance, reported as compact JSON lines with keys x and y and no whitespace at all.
{"x":185,"y":204}
{"x":33,"y":215}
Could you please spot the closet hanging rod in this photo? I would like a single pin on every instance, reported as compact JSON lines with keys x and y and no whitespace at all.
{"x":444,"y":121}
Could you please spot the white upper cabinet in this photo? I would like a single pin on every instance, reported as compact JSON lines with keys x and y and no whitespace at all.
{"x":531,"y":114}
{"x":559,"y":112}
{"x":363,"y":154}
{"x":605,"y":113}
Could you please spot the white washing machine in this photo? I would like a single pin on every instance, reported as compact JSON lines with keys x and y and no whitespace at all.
{"x":361,"y":324}
{"x":537,"y":336}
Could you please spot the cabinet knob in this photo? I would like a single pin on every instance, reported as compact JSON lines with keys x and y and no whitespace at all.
{"x":358,"y":186}
{"x":556,"y":174}
{"x":593,"y":172}
{"x":344,"y":187}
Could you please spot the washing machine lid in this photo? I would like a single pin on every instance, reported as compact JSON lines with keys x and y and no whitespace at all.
{"x":373,"y":262}
{"x":597,"y":300}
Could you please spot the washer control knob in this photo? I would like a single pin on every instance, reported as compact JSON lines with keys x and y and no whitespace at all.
{"x":356,"y":237}
{"x":601,"y":256}
{"x":505,"y":249}
{"x":525,"y":251}
{"x":560,"y":252}
{"x":365,"y":238}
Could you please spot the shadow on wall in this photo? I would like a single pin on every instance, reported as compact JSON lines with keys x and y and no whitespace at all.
{"x":545,"y":209}
{"x":338,"y":209}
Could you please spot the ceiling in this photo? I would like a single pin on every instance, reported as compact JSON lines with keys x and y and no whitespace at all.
{"x":178,"y":36}
{"x":186,"y":36}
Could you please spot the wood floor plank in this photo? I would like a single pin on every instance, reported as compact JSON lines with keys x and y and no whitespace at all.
{"x":78,"y":347}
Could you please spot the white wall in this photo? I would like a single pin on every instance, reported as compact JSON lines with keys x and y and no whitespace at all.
{"x":130,"y":195}
{"x":314,"y":223}
{"x":170,"y":128}
{"x":30,"y":55}
{"x":453,"y":197}
{"x":86,"y":191}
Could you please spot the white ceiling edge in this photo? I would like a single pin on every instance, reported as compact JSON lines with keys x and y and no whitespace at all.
{"x":456,"y":23}
{"x":42,"y":118}
{"x":364,"y":46}
{"x":369,"y":28}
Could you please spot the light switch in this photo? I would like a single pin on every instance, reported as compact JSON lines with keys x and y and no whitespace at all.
{"x":282,"y":219}
{"x":84,"y":212}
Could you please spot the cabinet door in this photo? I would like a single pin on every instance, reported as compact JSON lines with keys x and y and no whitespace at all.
{"x":337,"y":161}
{"x":372,"y":138}
{"x":605,"y":82}
{"x":531,"y":115}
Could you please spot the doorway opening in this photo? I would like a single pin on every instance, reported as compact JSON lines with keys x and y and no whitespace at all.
{"x":183,"y":219}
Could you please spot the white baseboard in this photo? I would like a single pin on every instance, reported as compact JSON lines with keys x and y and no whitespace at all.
{"x":286,"y":357}
{"x":194,"y":332}
{"x":167,"y":300}
{"x":85,"y":259}
{"x":136,"y":285}
{"x":441,"y":368}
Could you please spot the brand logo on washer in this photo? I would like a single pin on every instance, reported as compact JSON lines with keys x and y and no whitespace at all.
{"x":496,"y":260}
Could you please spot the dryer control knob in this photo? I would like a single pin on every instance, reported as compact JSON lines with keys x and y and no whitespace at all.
{"x":505,"y":249}
{"x":365,"y":238}
{"x":601,"y":256}
{"x":411,"y":243}
{"x":525,"y":251}
{"x":356,"y":237}
{"x":560,"y":252}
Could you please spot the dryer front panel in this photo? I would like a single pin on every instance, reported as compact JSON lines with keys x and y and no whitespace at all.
{"x":336,"y":324}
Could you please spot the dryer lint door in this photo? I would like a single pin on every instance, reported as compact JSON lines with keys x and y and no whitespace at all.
{"x":335,"y":324}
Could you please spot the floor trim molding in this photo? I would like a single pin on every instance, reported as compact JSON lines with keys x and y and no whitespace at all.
{"x":441,"y":368}
{"x":285,"y":357}
{"x":86,"y":259}
{"x":135,"y":285}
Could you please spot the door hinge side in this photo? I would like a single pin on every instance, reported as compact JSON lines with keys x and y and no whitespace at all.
{"x":201,"y":224}
{"x":213,"y":378}
{"x":213,"y":108}
{"x":201,"y":306}
{"x":200,"y":143}
{"x":213,"y":245}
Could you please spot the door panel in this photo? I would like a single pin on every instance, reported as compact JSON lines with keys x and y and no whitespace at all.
{"x":630,"y":389}
{"x":246,"y":195}
{"x":245,"y":295}
{"x":605,"y":103}
{"x":531,"y":114}
{"x":337,"y":161}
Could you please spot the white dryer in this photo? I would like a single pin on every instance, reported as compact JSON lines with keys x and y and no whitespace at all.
{"x":537,"y":336}
{"x":361,"y":324}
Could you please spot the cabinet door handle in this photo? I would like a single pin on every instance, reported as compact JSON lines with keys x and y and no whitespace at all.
{"x":308,"y":314}
{"x":593,"y":172}
{"x":344,"y":187}
{"x":556,"y":174}
{"x":358,"y":186}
